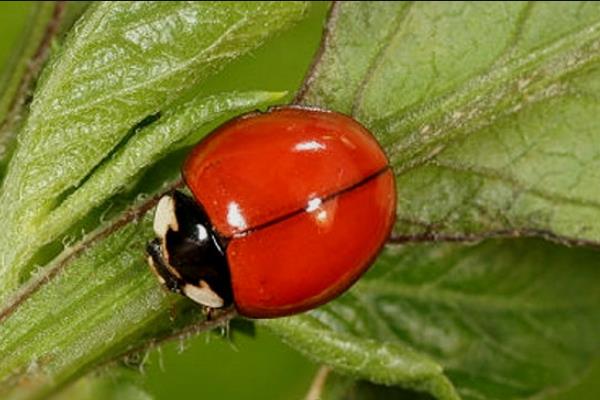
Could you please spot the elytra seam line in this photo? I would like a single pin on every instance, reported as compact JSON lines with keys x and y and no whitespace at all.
{"x":324,"y":199}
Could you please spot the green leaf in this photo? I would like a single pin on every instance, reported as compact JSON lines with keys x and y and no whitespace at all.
{"x":331,"y":386}
{"x":500,"y":320}
{"x":386,"y":363}
{"x":46,"y":23}
{"x":93,"y":304}
{"x":488,"y":112}
{"x":123,"y":62}
{"x":488,"y":115}
{"x":146,"y":146}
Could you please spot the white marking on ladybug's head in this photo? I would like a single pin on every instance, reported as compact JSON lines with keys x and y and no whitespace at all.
{"x":201,"y":232}
{"x":164,"y":217}
{"x":235,"y":217}
{"x":203,"y":294}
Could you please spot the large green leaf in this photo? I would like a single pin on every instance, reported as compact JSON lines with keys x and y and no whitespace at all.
{"x":488,"y":114}
{"x":500,"y":320}
{"x":122,"y":63}
{"x":488,"y":111}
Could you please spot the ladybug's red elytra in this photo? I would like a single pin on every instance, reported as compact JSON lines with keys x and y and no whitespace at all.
{"x":290,"y":207}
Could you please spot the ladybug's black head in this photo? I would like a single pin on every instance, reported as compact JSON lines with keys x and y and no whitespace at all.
{"x":187,"y":256}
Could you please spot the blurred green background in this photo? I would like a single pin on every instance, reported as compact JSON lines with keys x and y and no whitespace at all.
{"x":245,"y":367}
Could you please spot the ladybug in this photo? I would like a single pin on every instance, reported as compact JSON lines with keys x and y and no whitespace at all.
{"x":288,"y":209}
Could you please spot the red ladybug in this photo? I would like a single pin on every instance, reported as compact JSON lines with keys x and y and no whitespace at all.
{"x":290,"y":208}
